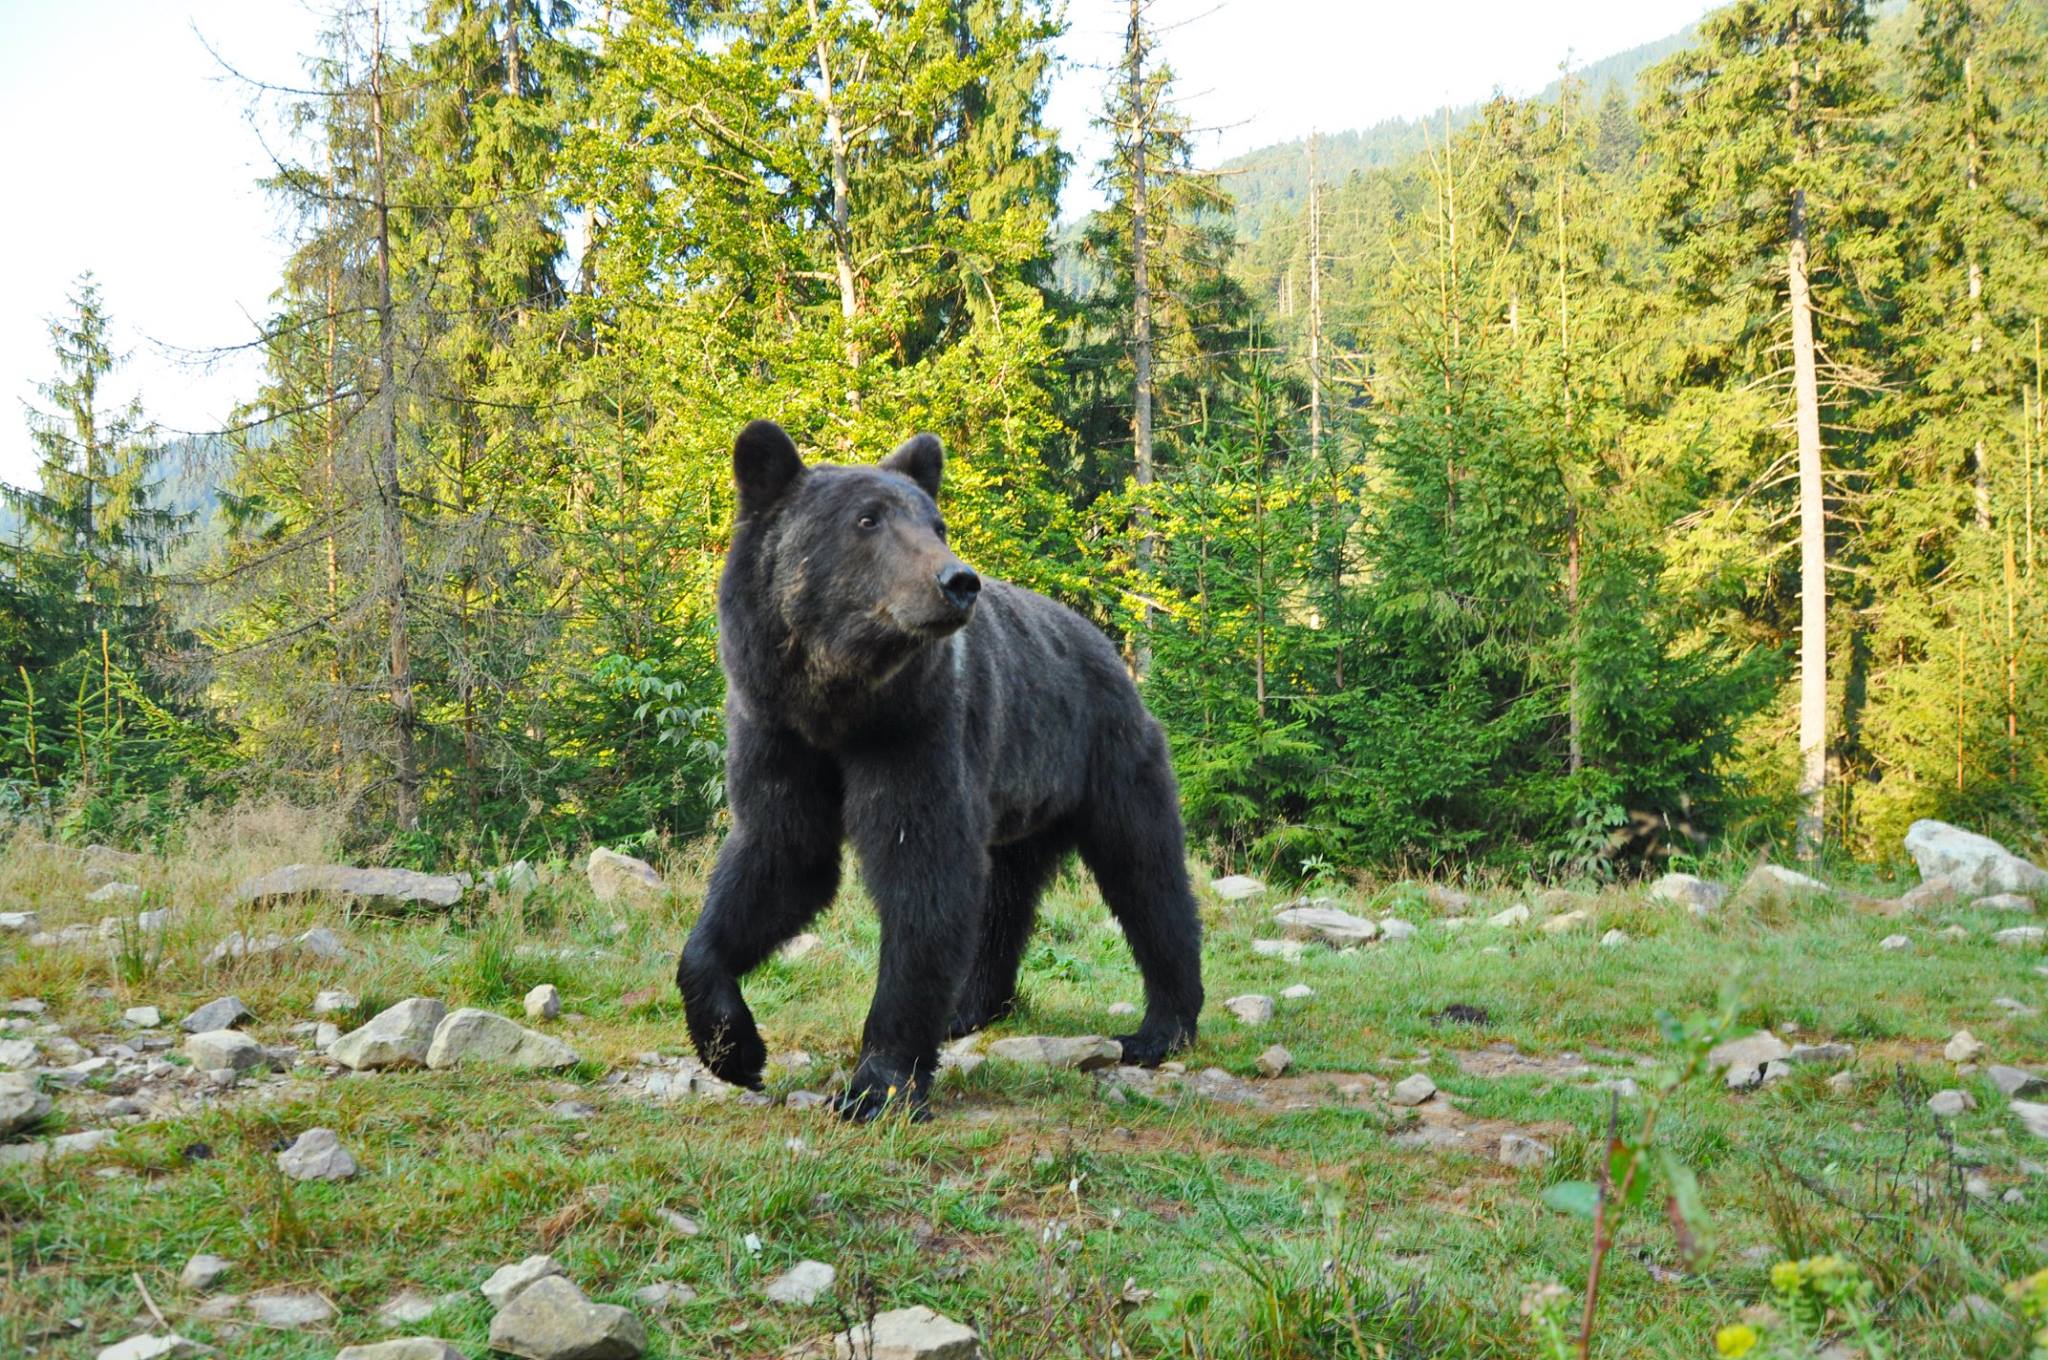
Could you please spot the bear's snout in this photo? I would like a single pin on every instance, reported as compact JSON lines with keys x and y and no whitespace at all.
{"x":959,"y":584}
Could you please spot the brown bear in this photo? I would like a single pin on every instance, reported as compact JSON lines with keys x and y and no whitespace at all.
{"x":964,"y":734}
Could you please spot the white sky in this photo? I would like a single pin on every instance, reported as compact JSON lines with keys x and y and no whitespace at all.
{"x":127,"y":153}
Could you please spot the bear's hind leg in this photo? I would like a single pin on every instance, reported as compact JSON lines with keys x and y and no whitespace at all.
{"x":1132,"y":842}
{"x":1017,"y":878}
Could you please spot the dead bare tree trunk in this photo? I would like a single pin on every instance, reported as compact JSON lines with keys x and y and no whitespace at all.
{"x":842,"y":234}
{"x":1139,"y":133}
{"x":1813,"y":549}
{"x":1575,"y":751}
{"x":389,"y":490}
{"x":1315,"y":305}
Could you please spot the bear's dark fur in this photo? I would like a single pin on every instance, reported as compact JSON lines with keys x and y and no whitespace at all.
{"x":964,"y":735}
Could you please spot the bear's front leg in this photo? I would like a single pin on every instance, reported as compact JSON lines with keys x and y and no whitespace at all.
{"x":924,"y":858}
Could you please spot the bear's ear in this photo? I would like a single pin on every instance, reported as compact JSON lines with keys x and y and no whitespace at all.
{"x":920,"y":458}
{"x":764,"y":465}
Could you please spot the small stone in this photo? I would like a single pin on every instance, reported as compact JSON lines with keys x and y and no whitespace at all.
{"x":1394,"y":928}
{"x":544,"y":1002}
{"x":1414,"y":1089}
{"x":322,"y":943}
{"x":681,"y":1224}
{"x":1251,"y":1008}
{"x":2033,"y":1117}
{"x":317,"y":1155}
{"x":1949,"y":1104}
{"x":1625,"y":1087}
{"x":1123,"y":1008}
{"x":665,"y":1295}
{"x":402,"y":1348}
{"x":1895,"y":942}
{"x":114,"y":892}
{"x":2013,"y":1196}
{"x":1236,"y":887}
{"x":1325,"y":925}
{"x":224,"y":1048}
{"x":1822,"y":1055}
{"x":1843,"y":1082}
{"x":799,"y":946}
{"x":1287,"y":951}
{"x":617,"y":878}
{"x":803,"y":1283}
{"x":398,"y":1036}
{"x":2004,"y":902}
{"x":289,"y":1309}
{"x":908,"y":1334}
{"x":1083,"y":1052}
{"x":1516,"y":915}
{"x":153,"y":1346}
{"x":407,"y":1307}
{"x":807,"y":1100}
{"x":2016,"y":1082}
{"x":551,"y":1320}
{"x":21,"y":1107}
{"x":1523,"y":1152}
{"x":1753,"y":1050}
{"x":572,"y":1109}
{"x":1300,"y":991}
{"x":478,"y":1036}
{"x":18,"y":1052}
{"x":326,"y":1035}
{"x":1695,"y":894}
{"x":1743,"y":1075}
{"x":142,"y":1017}
{"x":20,"y":923}
{"x":2015,"y":1008}
{"x":508,"y":1281}
{"x":1564,"y":921}
{"x":1614,"y":939}
{"x":226,"y":1013}
{"x":204,"y":1271}
{"x":1933,"y":892}
{"x":334,"y":1001}
{"x":1774,"y":880}
{"x":2021,"y":937}
{"x":1274,"y":1061}
{"x":1954,"y":932}
{"x":240,"y":946}
{"x":1963,"y":1047}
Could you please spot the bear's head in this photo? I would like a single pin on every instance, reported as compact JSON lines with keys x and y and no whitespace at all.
{"x":855,"y":558}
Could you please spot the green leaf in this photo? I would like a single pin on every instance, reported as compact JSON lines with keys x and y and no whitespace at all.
{"x":1685,"y":1189}
{"x":1580,"y":1198}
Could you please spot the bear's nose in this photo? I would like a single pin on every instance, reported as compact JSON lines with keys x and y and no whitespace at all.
{"x":959,"y":585}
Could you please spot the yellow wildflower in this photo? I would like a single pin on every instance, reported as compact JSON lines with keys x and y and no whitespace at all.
{"x":1737,"y":1340}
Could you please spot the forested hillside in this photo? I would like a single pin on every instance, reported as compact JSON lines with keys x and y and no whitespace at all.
{"x":1642,"y":468}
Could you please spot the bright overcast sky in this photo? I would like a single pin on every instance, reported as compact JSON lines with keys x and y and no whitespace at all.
{"x":128,"y":154}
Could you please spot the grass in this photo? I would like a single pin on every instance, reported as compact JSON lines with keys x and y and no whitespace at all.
{"x":1058,"y":1219}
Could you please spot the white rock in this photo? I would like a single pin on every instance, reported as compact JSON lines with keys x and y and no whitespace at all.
{"x":1614,"y":939}
{"x":1523,"y":1152}
{"x":908,"y":1334}
{"x":515,"y":880}
{"x":1251,"y":1008}
{"x":1976,"y":865}
{"x":227,"y":1012}
{"x":1949,"y":1104}
{"x":1752,"y":1050}
{"x":799,"y":946}
{"x":291,"y":1308}
{"x":1774,"y":880}
{"x":334,"y":1001}
{"x":1122,"y":1008}
{"x":803,"y":1283}
{"x":321,"y":943}
{"x":664,"y":1295}
{"x":2004,"y":902}
{"x":1287,"y":951}
{"x":21,"y":1107}
{"x":317,"y":1155}
{"x":1414,"y":1089}
{"x":543,"y":1002}
{"x":153,"y":1346}
{"x":507,"y":1281}
{"x":1236,"y":887}
{"x":326,"y":1035}
{"x":1516,"y":915}
{"x":1686,"y":890}
{"x":204,"y":1271}
{"x":617,"y":878}
{"x":1300,"y":991}
{"x":20,"y":923}
{"x":477,"y":1036}
{"x":552,"y":1320}
{"x":2033,"y":1117}
{"x":681,"y":1224}
{"x":63,"y":1145}
{"x":1963,"y":1047}
{"x":1564,"y":921}
{"x":18,"y":1052}
{"x":2016,"y":1082}
{"x":228,"y":1048}
{"x":398,"y":1036}
{"x":343,"y":880}
{"x":1326,"y":925}
{"x":402,"y":1348}
{"x":1933,"y":892}
{"x":1275,"y":1061}
{"x":1394,"y":928}
{"x":114,"y":892}
{"x":1895,"y":942}
{"x":142,"y":1017}
{"x":2021,"y":937}
{"x":1084,"y":1052}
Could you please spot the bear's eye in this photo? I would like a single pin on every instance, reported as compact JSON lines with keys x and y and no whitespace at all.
{"x":867,"y":521}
